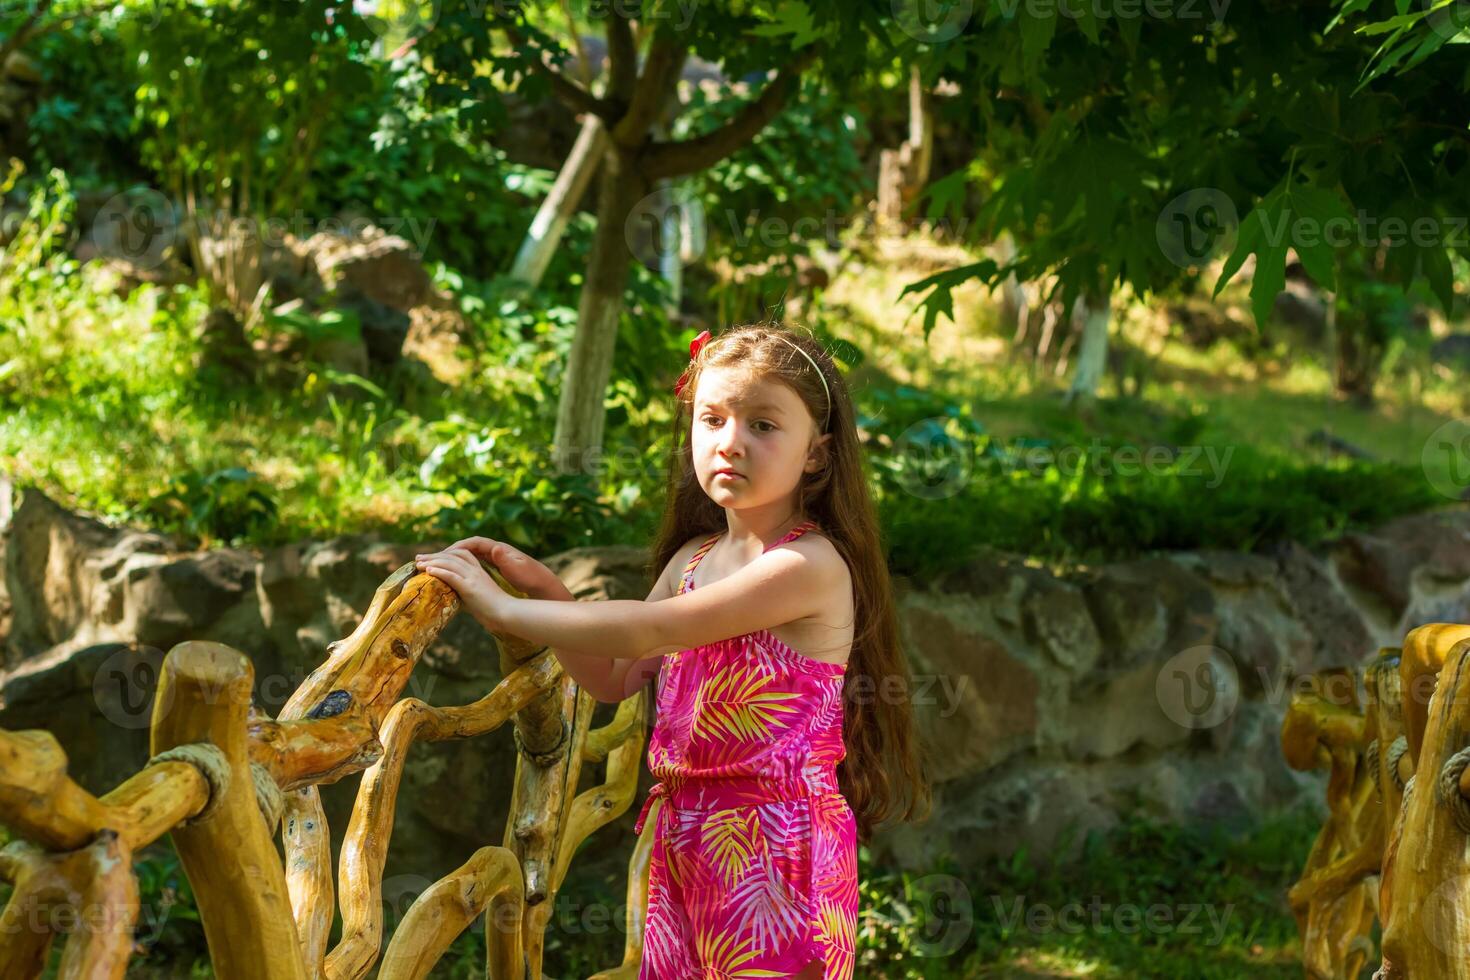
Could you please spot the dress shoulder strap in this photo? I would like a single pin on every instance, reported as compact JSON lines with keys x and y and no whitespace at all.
{"x":686,"y":579}
{"x":793,"y":534}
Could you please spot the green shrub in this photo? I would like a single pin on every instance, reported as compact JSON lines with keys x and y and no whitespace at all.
{"x":226,"y":507}
{"x":940,"y":476}
{"x":398,"y":160}
{"x":83,"y":120}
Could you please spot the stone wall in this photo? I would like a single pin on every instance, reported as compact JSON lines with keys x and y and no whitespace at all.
{"x":1049,"y":703}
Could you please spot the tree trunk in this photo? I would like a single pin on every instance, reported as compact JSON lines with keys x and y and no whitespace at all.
{"x":673,"y":235}
{"x":551,"y":219}
{"x":1357,"y":364}
{"x":635,"y":103}
{"x":1015,"y":302}
{"x":902,"y":173}
{"x":579,"y":416}
{"x":1092,"y":356}
{"x":921,"y":131}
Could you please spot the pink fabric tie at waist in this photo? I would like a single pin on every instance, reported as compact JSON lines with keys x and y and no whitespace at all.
{"x":718,"y":794}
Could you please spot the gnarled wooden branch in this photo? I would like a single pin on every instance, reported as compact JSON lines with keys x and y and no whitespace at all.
{"x":365,"y":847}
{"x":637,"y":913}
{"x":242,"y":898}
{"x":599,"y":806}
{"x":1424,"y":653}
{"x":308,"y":871}
{"x":1333,"y":901}
{"x":489,"y":882}
{"x":91,"y":889}
{"x":42,"y":804}
{"x":1427,"y":933}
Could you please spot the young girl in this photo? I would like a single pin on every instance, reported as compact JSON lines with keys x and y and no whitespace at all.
{"x":773,"y":592}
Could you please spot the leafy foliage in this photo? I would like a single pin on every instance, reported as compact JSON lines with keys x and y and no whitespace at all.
{"x":398,"y":160}
{"x":226,"y":507}
{"x":792,"y":186}
{"x":1103,"y":128}
{"x":235,"y":98}
{"x":940,"y":476}
{"x":83,"y":120}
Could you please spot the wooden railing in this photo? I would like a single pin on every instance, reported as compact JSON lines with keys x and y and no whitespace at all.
{"x":223,"y":779}
{"x":1396,"y":843}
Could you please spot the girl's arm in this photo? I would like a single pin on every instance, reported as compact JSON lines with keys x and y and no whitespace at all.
{"x":780,"y":586}
{"x":593,"y":673}
{"x":605,"y":679}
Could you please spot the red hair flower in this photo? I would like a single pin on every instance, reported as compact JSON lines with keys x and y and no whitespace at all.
{"x":694,"y":347}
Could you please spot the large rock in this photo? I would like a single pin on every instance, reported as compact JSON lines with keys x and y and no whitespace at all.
{"x":1047,"y":705}
{"x":380,"y":279}
{"x":971,"y":696}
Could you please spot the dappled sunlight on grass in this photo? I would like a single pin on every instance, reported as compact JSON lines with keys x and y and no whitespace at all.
{"x":1280,"y":403}
{"x":1146,"y":900}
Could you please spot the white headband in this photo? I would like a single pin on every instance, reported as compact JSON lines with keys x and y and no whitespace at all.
{"x":825,"y":389}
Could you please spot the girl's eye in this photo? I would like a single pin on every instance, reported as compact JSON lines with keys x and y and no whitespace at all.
{"x":766,"y":426}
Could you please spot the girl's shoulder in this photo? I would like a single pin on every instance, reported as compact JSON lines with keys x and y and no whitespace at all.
{"x":818,"y":548}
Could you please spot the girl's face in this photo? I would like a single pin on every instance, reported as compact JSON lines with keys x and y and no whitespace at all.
{"x":751,"y":439}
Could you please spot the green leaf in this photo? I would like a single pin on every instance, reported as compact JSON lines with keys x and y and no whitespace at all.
{"x":1436,"y":265}
{"x":1325,"y":210}
{"x":1247,"y":241}
{"x":1037,"y":31}
{"x":1086,"y":17}
{"x":946,"y":195}
{"x":941,"y":286}
{"x":1391,"y":24}
{"x":1265,"y":231}
{"x":1269,"y":278}
{"x":794,"y":18}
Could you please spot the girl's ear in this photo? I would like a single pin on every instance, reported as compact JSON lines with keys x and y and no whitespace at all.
{"x":817,"y":455}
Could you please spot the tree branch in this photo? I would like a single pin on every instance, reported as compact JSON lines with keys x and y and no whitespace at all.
{"x":23,"y":32}
{"x":567,"y":90}
{"x":662,"y":66}
{"x":688,"y":156}
{"x":622,"y":58}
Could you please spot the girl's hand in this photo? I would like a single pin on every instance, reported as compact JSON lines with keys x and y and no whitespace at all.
{"x":519,"y":569}
{"x":459,"y":569}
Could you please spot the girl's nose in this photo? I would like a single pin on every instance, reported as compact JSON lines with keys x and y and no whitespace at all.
{"x":730,"y":438}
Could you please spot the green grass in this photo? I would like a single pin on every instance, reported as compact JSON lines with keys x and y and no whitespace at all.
{"x":1271,"y":402}
{"x":1148,"y":900}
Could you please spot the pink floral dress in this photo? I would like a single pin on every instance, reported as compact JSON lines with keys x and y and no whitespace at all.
{"x":754,"y":865}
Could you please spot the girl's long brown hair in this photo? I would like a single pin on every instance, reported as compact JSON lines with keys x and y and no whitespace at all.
{"x":882,"y":776}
